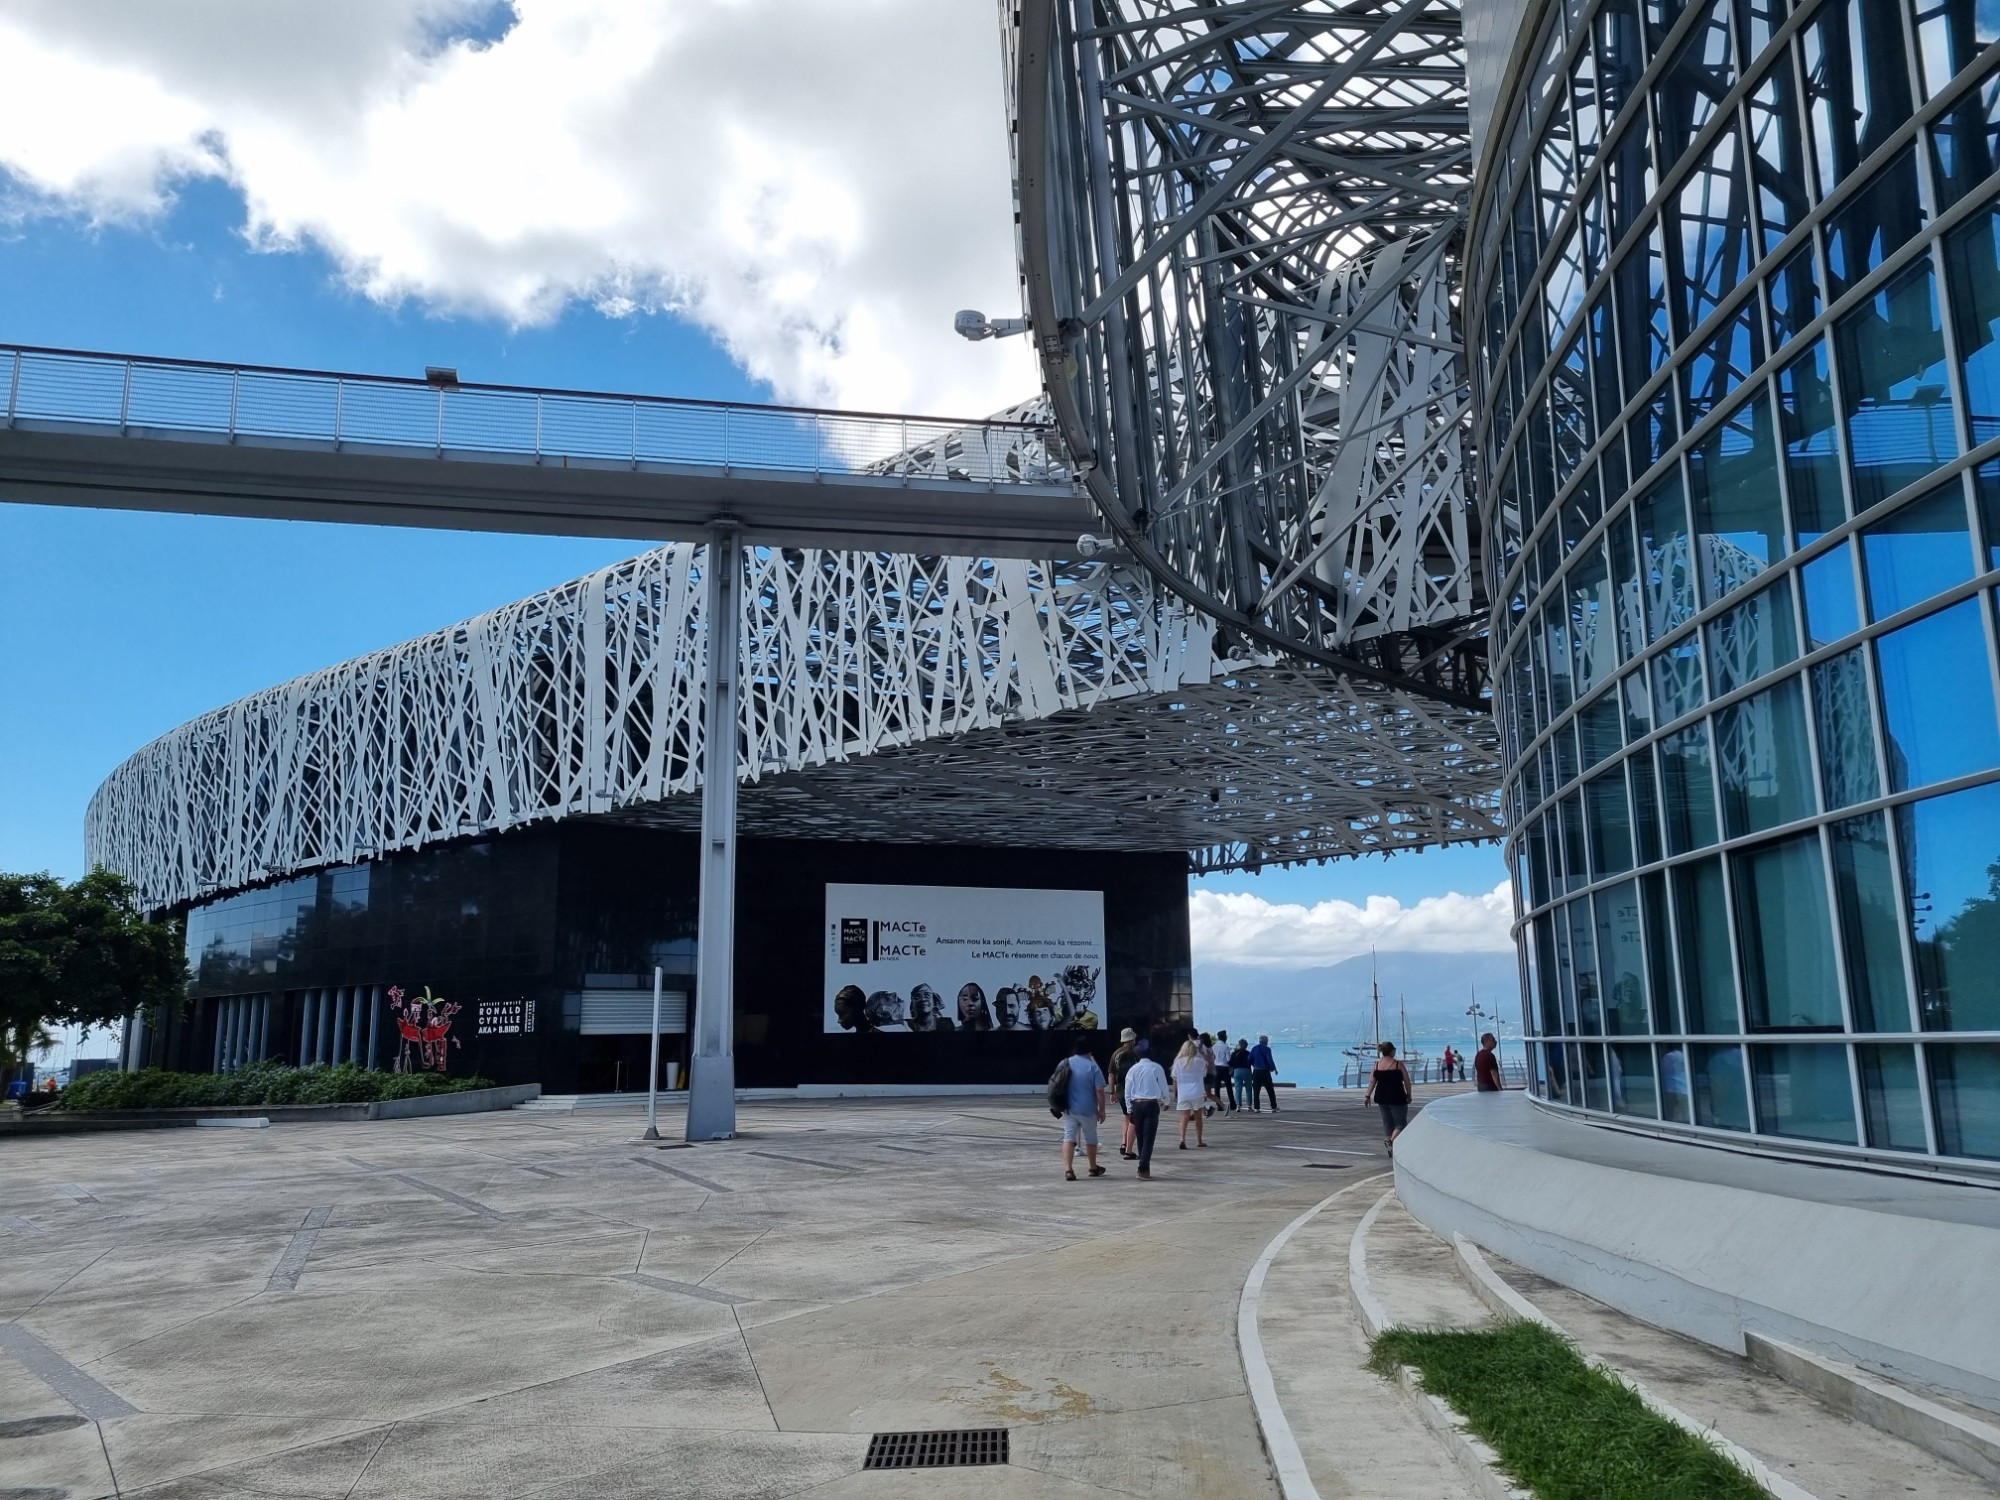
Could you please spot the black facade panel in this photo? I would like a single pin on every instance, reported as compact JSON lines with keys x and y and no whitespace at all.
{"x":542,"y":914}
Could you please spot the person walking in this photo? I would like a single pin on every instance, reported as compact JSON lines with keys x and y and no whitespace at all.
{"x":1225,"y":1079}
{"x":1239,"y":1072}
{"x":1190,"y":1089}
{"x":1146,"y":1094}
{"x":1389,"y":1090}
{"x":1211,"y":1080}
{"x":1121,"y":1059}
{"x":1262,"y":1067}
{"x":1486,"y":1065}
{"x":1086,"y":1109}
{"x":1447,"y":1063}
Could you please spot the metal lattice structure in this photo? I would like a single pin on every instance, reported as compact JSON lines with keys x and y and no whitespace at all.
{"x":1240,"y":228}
{"x":883,"y":696}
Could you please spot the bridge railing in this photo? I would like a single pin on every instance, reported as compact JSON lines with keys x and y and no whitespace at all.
{"x":65,"y":388}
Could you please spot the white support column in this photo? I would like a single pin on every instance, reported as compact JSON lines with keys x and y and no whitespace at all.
{"x":374,"y":994}
{"x":323,"y":1039}
{"x":264,"y":1028}
{"x":356,"y":1019}
{"x":221,"y":1025}
{"x":306,"y":998}
{"x":343,"y":997}
{"x":711,"y":1112}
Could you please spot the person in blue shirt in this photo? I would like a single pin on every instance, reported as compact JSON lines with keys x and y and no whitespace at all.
{"x":1086,"y":1109}
{"x":1262,"y":1066}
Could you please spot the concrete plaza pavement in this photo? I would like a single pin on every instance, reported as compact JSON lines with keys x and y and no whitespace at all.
{"x":541,"y":1304}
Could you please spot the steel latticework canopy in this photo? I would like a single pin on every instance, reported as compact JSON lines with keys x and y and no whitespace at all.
{"x":883,"y":697}
{"x":1239,"y":226}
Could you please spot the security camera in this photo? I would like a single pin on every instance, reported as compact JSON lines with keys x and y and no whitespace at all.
{"x":1089,"y":546}
{"x":975,"y":325}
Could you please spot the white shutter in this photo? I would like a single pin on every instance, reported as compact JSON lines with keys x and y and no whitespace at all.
{"x":630,"y":1012}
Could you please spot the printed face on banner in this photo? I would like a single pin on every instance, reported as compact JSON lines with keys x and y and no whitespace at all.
{"x":962,"y":958}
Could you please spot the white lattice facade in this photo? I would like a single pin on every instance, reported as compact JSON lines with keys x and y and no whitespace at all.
{"x":885,"y":697}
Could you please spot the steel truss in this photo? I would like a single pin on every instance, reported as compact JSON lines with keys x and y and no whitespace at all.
{"x":883,"y":696}
{"x":1240,"y":227}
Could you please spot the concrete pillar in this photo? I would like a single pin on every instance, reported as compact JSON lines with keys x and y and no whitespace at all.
{"x":305,"y":1026}
{"x":221,"y":1011}
{"x":358,"y":1020}
{"x":711,"y":1112}
{"x":374,"y":994}
{"x":323,"y":1041}
{"x":264,"y":1028}
{"x":342,"y":998}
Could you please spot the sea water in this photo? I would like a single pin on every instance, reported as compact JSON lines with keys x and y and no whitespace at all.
{"x":1319,"y":1067}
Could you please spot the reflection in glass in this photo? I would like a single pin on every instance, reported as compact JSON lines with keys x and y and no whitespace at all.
{"x":1804,"y":1090}
{"x":1739,"y":520}
{"x":1937,"y":698}
{"x":1874,"y":223}
{"x":1596,"y":1084}
{"x":1793,"y":295}
{"x":1972,"y":268}
{"x":1677,"y":682}
{"x":1610,"y":824}
{"x":1556,"y":1071}
{"x":1857,"y":84}
{"x":1754,"y":638}
{"x":1870,"y":935}
{"x":1720,"y":1098}
{"x":1621,"y":960}
{"x":1778,"y":154}
{"x":1689,"y":785}
{"x":1645,"y":808}
{"x":1892,"y":1105}
{"x":1666,"y":1008}
{"x":1951,"y":884}
{"x":1846,"y":730}
{"x":1789,"y":980}
{"x":1894,"y":387}
{"x":1708,"y":222}
{"x":1589,"y":992}
{"x":1965,"y":141}
{"x":1812,"y":459}
{"x":1599,"y":723}
{"x":1665,"y":573}
{"x":1765,"y":762}
{"x":1965,"y":1092}
{"x":1701,"y":917}
{"x":1632,"y":1081}
{"x":1675,"y":1103}
{"x":1918,"y":551}
{"x":1831,"y":607}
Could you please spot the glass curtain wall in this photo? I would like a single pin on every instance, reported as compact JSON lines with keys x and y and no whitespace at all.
{"x":1734,"y":298}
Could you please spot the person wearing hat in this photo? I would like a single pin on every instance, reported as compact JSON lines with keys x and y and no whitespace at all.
{"x":1121,"y":1060}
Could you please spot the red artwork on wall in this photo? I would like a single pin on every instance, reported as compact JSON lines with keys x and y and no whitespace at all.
{"x":424,"y":1023}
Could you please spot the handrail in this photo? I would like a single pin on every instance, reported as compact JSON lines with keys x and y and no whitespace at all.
{"x":239,"y":402}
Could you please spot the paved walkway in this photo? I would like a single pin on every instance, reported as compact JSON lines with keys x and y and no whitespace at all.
{"x":521,"y":1304}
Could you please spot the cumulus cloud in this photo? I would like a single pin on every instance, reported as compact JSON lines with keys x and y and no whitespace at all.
{"x":1239,"y":928}
{"x":817,"y":183}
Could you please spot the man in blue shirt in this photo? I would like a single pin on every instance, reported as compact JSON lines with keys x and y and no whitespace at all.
{"x":1086,"y":1108}
{"x":1262,"y":1066}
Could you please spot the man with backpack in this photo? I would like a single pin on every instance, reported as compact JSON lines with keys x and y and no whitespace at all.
{"x":1076,"y":1092}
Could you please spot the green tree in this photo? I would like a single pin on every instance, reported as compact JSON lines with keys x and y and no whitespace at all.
{"x":79,"y":954}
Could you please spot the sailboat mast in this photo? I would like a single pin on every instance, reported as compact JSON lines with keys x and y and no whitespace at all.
{"x":1375,"y":990}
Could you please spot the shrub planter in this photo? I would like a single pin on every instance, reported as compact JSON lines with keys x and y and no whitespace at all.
{"x":66,"y":1122}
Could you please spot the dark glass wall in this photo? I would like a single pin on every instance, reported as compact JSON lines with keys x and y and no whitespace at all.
{"x":516,"y":929}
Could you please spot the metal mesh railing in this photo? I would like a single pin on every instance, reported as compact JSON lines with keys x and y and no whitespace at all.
{"x":154,"y":397}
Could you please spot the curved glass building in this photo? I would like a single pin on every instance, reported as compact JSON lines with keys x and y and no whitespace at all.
{"x":1733,"y":297}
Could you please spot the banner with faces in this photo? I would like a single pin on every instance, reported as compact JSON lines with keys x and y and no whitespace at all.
{"x":902,"y":958}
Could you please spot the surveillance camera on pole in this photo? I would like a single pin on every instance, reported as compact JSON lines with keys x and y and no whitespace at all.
{"x":974,"y":325}
{"x":1101,"y":549}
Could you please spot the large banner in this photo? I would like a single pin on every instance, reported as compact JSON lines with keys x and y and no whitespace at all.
{"x":962,"y":958}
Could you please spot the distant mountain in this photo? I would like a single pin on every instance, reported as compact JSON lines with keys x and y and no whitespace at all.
{"x":1331,"y":1004}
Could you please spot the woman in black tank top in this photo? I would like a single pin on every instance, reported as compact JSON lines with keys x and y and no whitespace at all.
{"x":1389,"y":1089}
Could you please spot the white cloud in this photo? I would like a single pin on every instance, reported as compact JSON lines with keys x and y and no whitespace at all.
{"x":1237,"y":927}
{"x":817,"y":183}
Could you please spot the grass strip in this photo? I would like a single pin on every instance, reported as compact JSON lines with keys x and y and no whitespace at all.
{"x":1565,"y":1430}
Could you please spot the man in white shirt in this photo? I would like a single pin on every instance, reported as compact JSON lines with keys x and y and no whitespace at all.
{"x":1146,"y":1094}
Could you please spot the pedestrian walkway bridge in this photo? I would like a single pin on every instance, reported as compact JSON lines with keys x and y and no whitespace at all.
{"x":114,"y":430}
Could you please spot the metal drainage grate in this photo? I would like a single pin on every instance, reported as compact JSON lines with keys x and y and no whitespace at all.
{"x":957,"y":1448}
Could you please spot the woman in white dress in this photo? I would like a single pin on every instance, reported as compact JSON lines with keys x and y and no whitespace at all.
{"x":1190,"y":1089}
